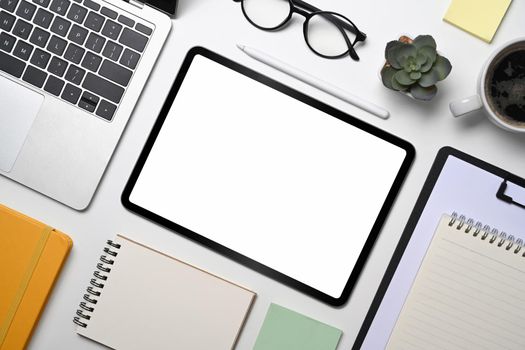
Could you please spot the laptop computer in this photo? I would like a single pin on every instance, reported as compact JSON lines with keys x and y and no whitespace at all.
{"x":71,"y":72}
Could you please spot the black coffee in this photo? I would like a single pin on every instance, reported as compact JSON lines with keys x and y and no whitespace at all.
{"x":505,"y":88}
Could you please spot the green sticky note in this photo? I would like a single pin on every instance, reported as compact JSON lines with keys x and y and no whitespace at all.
{"x":285,"y":329}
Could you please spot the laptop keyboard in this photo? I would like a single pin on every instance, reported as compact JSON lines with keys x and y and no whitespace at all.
{"x":80,"y":52}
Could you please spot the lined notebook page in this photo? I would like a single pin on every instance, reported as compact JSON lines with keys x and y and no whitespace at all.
{"x":468,"y":294}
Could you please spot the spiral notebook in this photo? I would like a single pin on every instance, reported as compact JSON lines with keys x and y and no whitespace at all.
{"x":469,"y":292}
{"x":140,"y":298}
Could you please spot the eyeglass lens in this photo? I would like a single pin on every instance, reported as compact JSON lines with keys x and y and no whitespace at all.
{"x":267,"y":14}
{"x":325,"y":34}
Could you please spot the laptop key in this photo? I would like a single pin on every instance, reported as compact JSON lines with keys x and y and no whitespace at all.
{"x":116,"y":73}
{"x":77,"y":34}
{"x":43,"y":3}
{"x":60,"y":26}
{"x":86,"y":105}
{"x":111,"y":29}
{"x":54,"y":85}
{"x":40,"y":58}
{"x":134,"y":40}
{"x":129,"y":59}
{"x":95,"y":42}
{"x":91,"y":61}
{"x":143,"y":29}
{"x":109,"y":13}
{"x":43,"y":18}
{"x":106,"y":110}
{"x":34,"y":76}
{"x":88,"y":102}
{"x":126,"y":21}
{"x":39,"y":37}
{"x":7,"y":42}
{"x":92,"y":5}
{"x":8,"y":5}
{"x":77,"y":13}
{"x":11,"y":65}
{"x":23,"y":50}
{"x":75,"y":74}
{"x":6,"y":21}
{"x":74,"y":53}
{"x":57,"y":66}
{"x":103,"y":87}
{"x":112,"y":50}
{"x":22,"y":29}
{"x":60,"y":6}
{"x":71,"y":94}
{"x":94,"y":21}
{"x":26,"y":10}
{"x":57,"y":45}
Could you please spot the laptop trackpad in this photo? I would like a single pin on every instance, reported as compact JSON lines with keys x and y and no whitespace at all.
{"x":18,"y":109}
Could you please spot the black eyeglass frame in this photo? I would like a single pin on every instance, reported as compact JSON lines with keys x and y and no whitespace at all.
{"x":309,"y":11}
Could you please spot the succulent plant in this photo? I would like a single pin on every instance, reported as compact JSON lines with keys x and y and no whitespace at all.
{"x":414,"y":66}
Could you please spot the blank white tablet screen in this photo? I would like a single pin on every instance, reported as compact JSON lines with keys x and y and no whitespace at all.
{"x":267,"y":176}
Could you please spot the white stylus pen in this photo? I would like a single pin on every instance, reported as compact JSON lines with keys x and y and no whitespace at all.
{"x":315,"y":82}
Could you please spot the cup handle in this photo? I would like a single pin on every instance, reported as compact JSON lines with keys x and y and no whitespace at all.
{"x":465,"y":106}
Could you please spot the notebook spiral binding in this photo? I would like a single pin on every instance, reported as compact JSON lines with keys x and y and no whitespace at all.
{"x":501,"y":239}
{"x":96,"y":284}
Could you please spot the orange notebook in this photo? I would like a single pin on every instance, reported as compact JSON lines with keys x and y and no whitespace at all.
{"x":31,"y":256}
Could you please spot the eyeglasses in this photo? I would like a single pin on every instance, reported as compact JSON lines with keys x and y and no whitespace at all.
{"x":328,"y":34}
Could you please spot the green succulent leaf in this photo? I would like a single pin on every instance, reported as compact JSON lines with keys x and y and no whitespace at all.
{"x":415,"y":75}
{"x":424,"y":40}
{"x":423,"y":93}
{"x":397,"y":86}
{"x":426,"y":66}
{"x":428,"y":79}
{"x":391,"y":53}
{"x":411,"y":65}
{"x":421,"y":59}
{"x":403,"y":78}
{"x":394,"y":44}
{"x":440,"y":70}
{"x":407,"y":50}
{"x":429,"y":52}
{"x":403,"y":61}
{"x":442,"y":67}
{"x":387,"y":74}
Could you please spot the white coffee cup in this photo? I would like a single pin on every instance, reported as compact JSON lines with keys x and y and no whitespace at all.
{"x":479,"y":102}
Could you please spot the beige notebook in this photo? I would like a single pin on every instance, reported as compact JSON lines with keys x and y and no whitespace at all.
{"x":469,"y":292}
{"x":140,"y":298}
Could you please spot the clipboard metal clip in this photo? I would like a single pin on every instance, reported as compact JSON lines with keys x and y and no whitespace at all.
{"x":505,"y":197}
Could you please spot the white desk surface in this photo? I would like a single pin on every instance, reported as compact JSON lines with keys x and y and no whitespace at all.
{"x":219,"y":25}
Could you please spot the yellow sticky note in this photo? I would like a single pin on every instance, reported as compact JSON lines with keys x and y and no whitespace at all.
{"x":480,"y":18}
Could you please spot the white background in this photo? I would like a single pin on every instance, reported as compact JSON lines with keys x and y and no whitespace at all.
{"x":219,"y":25}
{"x":267,"y":176}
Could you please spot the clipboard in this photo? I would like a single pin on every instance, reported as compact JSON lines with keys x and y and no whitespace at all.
{"x":456,"y":182}
{"x":267,"y":176}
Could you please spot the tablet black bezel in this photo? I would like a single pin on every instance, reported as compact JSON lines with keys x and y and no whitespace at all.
{"x":421,"y":203}
{"x":409,"y":149}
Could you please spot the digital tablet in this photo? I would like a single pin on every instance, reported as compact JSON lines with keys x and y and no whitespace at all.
{"x":268,"y":176}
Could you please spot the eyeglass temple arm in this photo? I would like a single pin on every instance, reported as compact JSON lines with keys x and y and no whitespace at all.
{"x":312,"y":8}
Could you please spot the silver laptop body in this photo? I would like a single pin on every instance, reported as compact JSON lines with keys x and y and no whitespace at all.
{"x":58,"y":132}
